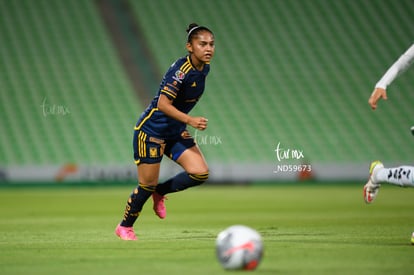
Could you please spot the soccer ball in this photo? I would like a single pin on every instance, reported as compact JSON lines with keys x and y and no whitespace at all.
{"x":239,"y":247}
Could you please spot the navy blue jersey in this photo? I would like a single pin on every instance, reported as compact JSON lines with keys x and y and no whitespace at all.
{"x":184,"y":85}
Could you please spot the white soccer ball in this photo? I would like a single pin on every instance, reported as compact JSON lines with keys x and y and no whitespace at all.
{"x":239,"y":247}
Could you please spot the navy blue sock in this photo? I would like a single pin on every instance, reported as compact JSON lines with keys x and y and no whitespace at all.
{"x":181,"y":182}
{"x":135,"y":203}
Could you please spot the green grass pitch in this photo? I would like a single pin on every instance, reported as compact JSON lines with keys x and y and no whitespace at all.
{"x":307,"y":228}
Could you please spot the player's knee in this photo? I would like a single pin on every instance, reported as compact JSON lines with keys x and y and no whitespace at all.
{"x":199,"y":178}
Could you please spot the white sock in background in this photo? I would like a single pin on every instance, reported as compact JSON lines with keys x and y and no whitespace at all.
{"x":402,"y":175}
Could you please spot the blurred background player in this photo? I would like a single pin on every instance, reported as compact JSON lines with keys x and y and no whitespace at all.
{"x":161,"y":129}
{"x":402,"y":175}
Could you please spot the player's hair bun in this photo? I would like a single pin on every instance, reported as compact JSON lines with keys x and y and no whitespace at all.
{"x":190,"y":27}
{"x":193,"y":29}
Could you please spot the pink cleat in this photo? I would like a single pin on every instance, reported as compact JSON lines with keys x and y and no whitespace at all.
{"x":125,"y":233}
{"x":159,"y":207}
{"x":371,"y":188}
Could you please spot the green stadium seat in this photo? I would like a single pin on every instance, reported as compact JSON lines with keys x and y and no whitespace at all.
{"x":295,"y":72}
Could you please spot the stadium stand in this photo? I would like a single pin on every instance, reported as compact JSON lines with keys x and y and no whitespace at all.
{"x":297,"y":73}
{"x":64,"y":95}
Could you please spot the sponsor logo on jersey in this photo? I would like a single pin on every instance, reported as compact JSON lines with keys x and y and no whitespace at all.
{"x":179,"y":76}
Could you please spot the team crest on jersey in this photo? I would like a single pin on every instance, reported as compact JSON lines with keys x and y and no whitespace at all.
{"x":153,"y":152}
{"x":185,"y":134}
{"x":179,"y":76}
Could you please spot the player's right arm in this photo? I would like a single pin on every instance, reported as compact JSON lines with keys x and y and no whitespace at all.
{"x":376,"y":95}
{"x":396,"y":69}
{"x":165,"y":105}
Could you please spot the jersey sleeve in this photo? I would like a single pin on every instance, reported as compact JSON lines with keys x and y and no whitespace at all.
{"x":397,"y":68}
{"x":172,"y":82}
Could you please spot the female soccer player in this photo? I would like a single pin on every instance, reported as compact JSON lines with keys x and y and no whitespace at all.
{"x":161,"y":129}
{"x":403,"y":175}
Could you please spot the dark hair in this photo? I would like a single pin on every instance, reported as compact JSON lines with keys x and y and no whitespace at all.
{"x":193,"y":29}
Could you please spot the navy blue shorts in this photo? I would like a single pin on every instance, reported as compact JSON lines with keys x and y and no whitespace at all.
{"x":151,"y":150}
